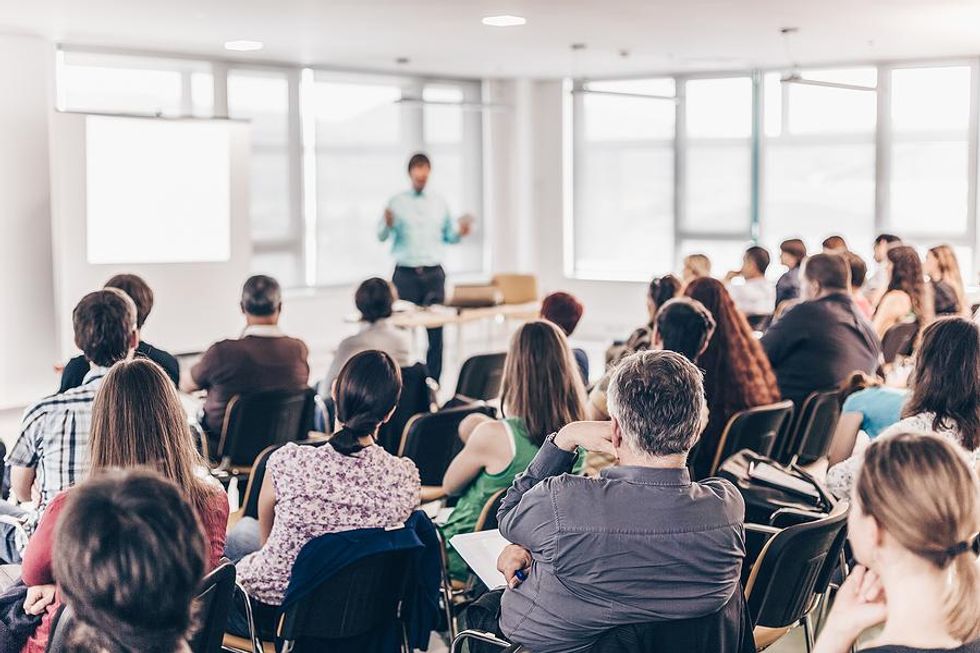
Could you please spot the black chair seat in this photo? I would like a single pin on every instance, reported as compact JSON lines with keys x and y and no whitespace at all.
{"x":431,"y":440}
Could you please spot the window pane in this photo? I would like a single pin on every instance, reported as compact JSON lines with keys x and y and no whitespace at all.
{"x":263,"y":99}
{"x":121,"y":90}
{"x":719,"y":108}
{"x":812,"y":191}
{"x":936,"y":99}
{"x":357,"y":114}
{"x":824,"y":110}
{"x":929,"y":187}
{"x":719,"y":188}
{"x":443,"y":123}
{"x":625,"y":118}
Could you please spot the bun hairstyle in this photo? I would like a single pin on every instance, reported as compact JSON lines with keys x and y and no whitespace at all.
{"x":922,"y":491}
{"x":366,"y":391}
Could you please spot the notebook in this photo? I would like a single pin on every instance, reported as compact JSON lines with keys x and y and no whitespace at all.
{"x":480,"y":551}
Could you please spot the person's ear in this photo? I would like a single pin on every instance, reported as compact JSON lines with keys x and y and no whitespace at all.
{"x":617,"y":434}
{"x":333,"y":391}
{"x":657,"y":341}
{"x":241,"y":305}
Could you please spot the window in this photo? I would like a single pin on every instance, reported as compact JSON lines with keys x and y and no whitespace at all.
{"x":819,"y":159}
{"x":624,"y":179}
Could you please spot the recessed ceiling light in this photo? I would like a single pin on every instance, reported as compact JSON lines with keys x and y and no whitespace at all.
{"x":244,"y":46}
{"x":504,"y":21}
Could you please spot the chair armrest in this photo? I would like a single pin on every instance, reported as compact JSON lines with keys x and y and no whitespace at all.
{"x":480,"y":636}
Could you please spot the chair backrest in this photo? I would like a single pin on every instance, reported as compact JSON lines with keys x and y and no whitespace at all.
{"x":759,"y":322}
{"x":755,"y":429}
{"x":790,"y":569}
{"x":255,"y":421}
{"x":898,"y":339}
{"x":487,"y":521}
{"x":250,"y":500}
{"x":813,"y":431}
{"x":416,"y":398}
{"x":60,"y":628}
{"x":431,"y":440}
{"x":728,"y":630}
{"x":516,"y":288}
{"x":213,"y":603}
{"x":481,"y":376}
{"x":360,"y":598}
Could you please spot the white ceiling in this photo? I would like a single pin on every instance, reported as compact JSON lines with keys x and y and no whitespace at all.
{"x":446,"y":37}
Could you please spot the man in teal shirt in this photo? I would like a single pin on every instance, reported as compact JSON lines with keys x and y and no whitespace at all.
{"x":420,"y":226}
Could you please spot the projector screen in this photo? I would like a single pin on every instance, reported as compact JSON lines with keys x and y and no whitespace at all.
{"x":157,"y":191}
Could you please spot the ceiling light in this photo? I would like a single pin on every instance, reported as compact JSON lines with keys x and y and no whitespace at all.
{"x":244,"y":46}
{"x":504,"y":21}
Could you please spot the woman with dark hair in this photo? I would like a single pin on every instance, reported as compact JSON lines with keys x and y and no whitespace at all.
{"x":791,"y":254}
{"x":737,"y":373}
{"x":349,"y":483}
{"x":907,"y":298}
{"x":661,"y":290}
{"x":540,"y":393}
{"x":945,"y":395}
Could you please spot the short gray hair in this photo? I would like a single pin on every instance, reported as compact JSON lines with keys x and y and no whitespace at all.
{"x":658,"y":399}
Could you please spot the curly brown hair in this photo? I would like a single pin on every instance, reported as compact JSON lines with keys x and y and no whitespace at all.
{"x":907,"y":276}
{"x":737,"y":373}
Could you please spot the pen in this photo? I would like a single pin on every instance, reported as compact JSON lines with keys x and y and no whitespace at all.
{"x":521,"y":575}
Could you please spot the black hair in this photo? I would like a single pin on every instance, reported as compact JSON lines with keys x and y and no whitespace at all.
{"x":759,"y":256}
{"x":685,"y":326}
{"x":831,"y":271}
{"x":366,"y":390}
{"x":103,"y":322}
{"x":419,"y":159}
{"x":663,"y":289}
{"x":373,"y":299}
{"x":261,"y":296}
{"x":859,"y":269}
{"x":887,"y":238}
{"x":129,"y":554}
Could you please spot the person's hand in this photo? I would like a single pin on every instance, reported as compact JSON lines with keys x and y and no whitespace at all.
{"x":39,"y":597}
{"x":466,"y":225}
{"x":732,"y":274}
{"x":513,"y":559}
{"x":859,"y":605}
{"x":389,"y":218}
{"x":591,"y":436}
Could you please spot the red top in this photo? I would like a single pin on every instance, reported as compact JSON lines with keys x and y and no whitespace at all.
{"x":37,"y":568}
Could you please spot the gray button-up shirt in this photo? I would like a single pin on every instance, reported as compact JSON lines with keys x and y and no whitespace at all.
{"x":635,"y":545}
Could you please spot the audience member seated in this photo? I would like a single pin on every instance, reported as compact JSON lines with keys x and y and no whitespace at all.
{"x":142,"y":295}
{"x":879,"y":405}
{"x":374,"y":299}
{"x":137,"y":421}
{"x":949,"y":296}
{"x":129,"y":557}
{"x":819,"y":342}
{"x":566,"y":310}
{"x":791,"y":254}
{"x":661,"y":290}
{"x":875,"y":286}
{"x":263,"y":359}
{"x":540,"y":393}
{"x":346,"y":484}
{"x":912,"y":528}
{"x":945,"y":395}
{"x":906,"y":298}
{"x":683,"y":325}
{"x":737,"y":374}
{"x":51,"y":452}
{"x":859,"y":271}
{"x":695,"y":267}
{"x":756,"y":296}
{"x":640,"y":543}
{"x":834,"y":245}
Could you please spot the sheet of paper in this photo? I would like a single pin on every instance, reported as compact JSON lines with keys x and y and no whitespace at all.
{"x":480,"y":551}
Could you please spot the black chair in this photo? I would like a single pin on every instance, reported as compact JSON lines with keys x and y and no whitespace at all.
{"x":759,"y":322}
{"x":60,"y":628}
{"x":255,"y":421}
{"x":791,"y":572}
{"x":213,"y":604}
{"x":360,"y":600}
{"x":431,"y":440}
{"x":898,"y":339}
{"x":487,"y":521}
{"x":417,"y":397}
{"x":755,"y":429}
{"x":480,"y":378}
{"x":813,"y":432}
{"x":250,"y":500}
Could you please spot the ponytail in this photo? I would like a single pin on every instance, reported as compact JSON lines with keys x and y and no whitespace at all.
{"x":367,"y":390}
{"x":962,"y":604}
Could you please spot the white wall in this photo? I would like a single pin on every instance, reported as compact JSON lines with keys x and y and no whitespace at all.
{"x":27,"y":325}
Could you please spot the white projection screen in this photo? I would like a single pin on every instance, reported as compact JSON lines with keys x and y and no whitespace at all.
{"x":157,"y":191}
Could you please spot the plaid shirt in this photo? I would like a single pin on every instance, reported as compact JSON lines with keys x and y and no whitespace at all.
{"x":54,"y":438}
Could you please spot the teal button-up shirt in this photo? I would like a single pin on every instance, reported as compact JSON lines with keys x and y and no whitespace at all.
{"x":422,"y":228}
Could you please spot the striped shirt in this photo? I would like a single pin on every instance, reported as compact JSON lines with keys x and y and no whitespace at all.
{"x":54,"y":438}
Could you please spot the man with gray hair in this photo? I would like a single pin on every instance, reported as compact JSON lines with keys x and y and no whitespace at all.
{"x":638,"y":544}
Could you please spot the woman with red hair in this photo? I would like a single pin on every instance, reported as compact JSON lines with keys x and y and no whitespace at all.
{"x":737,"y":373}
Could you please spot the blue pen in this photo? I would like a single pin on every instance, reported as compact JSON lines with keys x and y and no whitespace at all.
{"x":521,"y":575}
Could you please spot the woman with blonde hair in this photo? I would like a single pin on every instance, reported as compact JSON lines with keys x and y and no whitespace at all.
{"x":541,"y":392}
{"x":695,"y":267}
{"x":947,"y":281}
{"x":913,"y":527}
{"x":137,"y":422}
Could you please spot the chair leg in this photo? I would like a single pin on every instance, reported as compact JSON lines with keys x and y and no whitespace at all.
{"x":808,"y":633}
{"x":288,"y":646}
